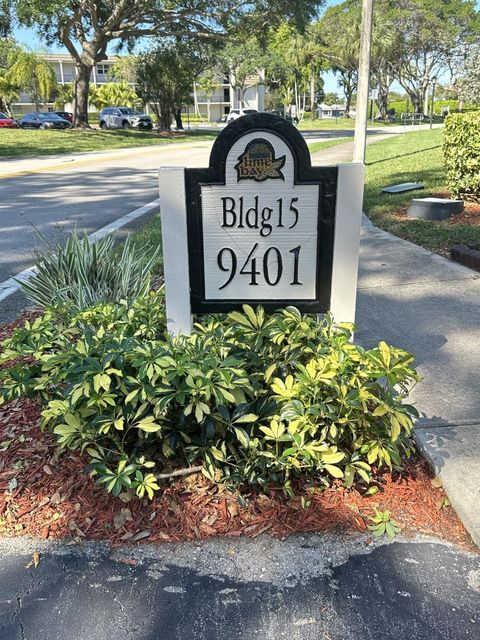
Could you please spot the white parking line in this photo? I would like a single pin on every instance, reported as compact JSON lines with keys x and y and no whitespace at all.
{"x":11,"y":285}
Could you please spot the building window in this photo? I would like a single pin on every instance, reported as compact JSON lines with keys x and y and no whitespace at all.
{"x":102,"y":69}
{"x":226,"y":95}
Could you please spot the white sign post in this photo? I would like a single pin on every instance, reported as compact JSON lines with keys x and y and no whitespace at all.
{"x":260,"y":226}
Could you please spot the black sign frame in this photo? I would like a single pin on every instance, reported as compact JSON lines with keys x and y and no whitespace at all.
{"x":304,"y":174}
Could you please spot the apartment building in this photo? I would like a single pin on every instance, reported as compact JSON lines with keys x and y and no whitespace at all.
{"x":64,"y":73}
{"x":223,"y":99}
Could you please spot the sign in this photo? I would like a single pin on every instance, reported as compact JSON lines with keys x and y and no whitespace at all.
{"x":258,"y":226}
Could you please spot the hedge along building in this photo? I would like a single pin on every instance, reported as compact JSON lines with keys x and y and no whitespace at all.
{"x":217,"y":105}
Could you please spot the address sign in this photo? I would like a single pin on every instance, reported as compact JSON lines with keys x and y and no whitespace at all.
{"x":260,"y":223}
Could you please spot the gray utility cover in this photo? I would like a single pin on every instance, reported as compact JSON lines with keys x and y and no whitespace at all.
{"x":405,"y":186}
{"x":434,"y":208}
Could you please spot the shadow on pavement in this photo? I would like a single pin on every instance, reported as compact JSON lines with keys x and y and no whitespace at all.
{"x":402,"y":590}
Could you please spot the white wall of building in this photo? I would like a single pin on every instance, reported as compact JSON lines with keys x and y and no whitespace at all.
{"x":223,"y":99}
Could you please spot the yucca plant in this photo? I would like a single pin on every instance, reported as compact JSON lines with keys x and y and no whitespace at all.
{"x":82,"y":274}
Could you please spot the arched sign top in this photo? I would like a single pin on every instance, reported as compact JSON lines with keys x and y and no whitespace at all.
{"x":258,"y":122}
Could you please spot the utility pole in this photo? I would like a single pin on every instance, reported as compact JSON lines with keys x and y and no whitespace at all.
{"x":360,"y":138}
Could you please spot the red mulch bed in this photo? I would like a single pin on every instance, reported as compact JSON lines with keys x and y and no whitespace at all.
{"x":44,"y":493}
{"x":469,"y":216}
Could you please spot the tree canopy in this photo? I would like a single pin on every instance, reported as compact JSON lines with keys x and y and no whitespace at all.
{"x":87,"y":27}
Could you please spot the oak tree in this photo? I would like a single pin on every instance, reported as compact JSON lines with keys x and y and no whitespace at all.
{"x":87,"y":27}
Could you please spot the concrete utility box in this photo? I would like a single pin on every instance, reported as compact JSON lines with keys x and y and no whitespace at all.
{"x":434,"y":208}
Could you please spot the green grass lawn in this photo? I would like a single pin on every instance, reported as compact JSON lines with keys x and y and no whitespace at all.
{"x":326,"y":144}
{"x":413,"y":157}
{"x":147,"y":238}
{"x":20,"y":143}
{"x":340,"y":123}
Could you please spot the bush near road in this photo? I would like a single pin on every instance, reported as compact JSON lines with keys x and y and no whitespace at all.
{"x":462,"y":154}
{"x":23,"y":144}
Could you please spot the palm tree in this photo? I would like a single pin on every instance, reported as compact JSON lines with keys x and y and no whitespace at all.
{"x":114,"y":94}
{"x":65,"y":95}
{"x":208,"y":83}
{"x":8,"y":93}
{"x":34,"y":75}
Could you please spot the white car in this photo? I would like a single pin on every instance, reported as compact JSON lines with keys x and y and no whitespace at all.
{"x":237,"y":113}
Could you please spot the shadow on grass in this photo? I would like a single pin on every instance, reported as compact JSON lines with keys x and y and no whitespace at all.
{"x":404,"y":155}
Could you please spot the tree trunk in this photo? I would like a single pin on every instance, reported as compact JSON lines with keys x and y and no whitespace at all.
{"x":36,"y":98}
{"x":208,"y":109}
{"x":382,"y":103}
{"x":348,"y":103}
{"x":195,"y":100}
{"x":177,"y":114}
{"x":165,"y":121}
{"x":80,"y":102}
{"x":297,"y":105}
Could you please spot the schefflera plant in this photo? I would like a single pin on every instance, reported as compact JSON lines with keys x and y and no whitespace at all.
{"x":248,"y":398}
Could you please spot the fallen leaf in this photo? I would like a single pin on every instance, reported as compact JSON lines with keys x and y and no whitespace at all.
{"x":141,"y":535}
{"x":211,"y":519}
{"x":56,"y":498}
{"x":436,"y":482}
{"x":47,"y":470}
{"x":122,"y":517}
{"x":34,"y":562}
{"x":233,"y":509}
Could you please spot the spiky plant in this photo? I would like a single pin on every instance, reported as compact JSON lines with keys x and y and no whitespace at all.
{"x":83,"y":273}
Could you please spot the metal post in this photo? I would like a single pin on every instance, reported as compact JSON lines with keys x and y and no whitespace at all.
{"x":360,"y":138}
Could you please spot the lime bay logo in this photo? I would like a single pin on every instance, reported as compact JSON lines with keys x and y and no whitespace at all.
{"x":258,"y":162}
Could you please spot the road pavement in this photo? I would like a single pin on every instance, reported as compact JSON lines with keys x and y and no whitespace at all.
{"x":311,"y":587}
{"x":92,"y":193}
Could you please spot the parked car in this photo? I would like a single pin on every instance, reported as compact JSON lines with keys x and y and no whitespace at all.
{"x":124,"y":118}
{"x":44,"y":120}
{"x":7,"y":122}
{"x":66,"y":115}
{"x":233,"y":114}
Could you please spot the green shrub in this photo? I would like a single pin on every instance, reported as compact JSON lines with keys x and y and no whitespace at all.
{"x":253,"y":398}
{"x":461,"y":148}
{"x":82,"y":274}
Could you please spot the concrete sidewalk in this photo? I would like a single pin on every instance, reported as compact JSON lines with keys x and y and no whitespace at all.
{"x":430,"y":306}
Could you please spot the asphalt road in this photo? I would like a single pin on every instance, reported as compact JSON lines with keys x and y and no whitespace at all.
{"x":86,"y":193}
{"x":305,"y":588}
{"x":85,"y":196}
